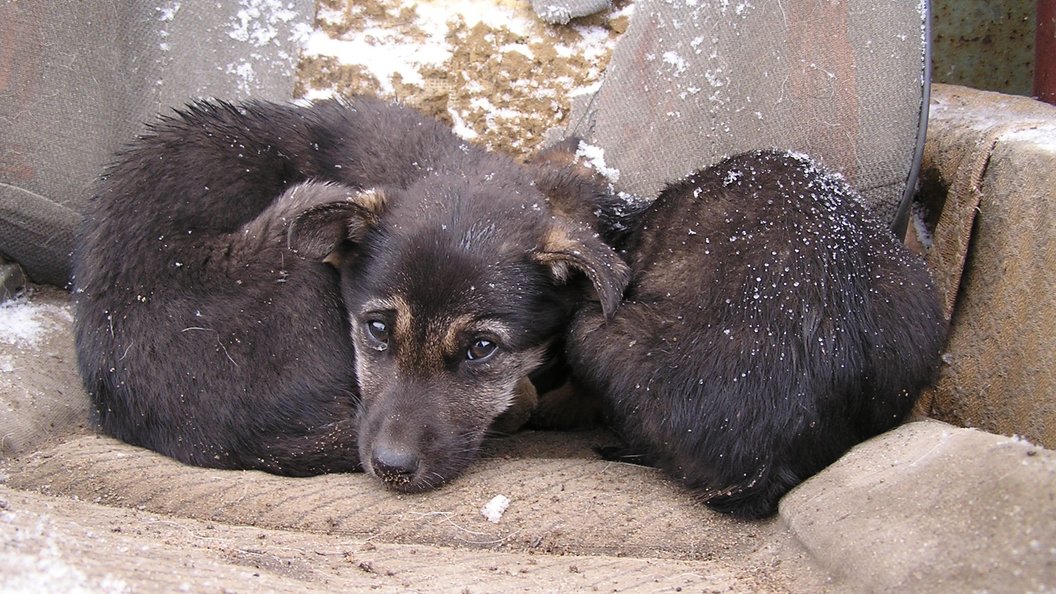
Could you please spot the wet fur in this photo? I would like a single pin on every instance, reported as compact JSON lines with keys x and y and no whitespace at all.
{"x":770,"y":325}
{"x":212,"y":327}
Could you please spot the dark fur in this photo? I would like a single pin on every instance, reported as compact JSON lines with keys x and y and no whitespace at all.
{"x":770,"y":325}
{"x":210,"y":329}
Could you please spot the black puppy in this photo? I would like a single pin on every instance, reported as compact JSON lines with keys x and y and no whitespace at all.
{"x":770,"y":325}
{"x":212,"y":327}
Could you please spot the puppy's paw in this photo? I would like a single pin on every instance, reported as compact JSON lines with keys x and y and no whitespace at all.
{"x":565,"y":408}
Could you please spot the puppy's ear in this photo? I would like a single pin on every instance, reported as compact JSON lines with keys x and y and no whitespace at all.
{"x":562,"y":154}
{"x":571,"y":188}
{"x":578,"y":192}
{"x":317,"y":231}
{"x":565,"y":247}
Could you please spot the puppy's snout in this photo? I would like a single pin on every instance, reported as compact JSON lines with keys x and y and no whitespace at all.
{"x":394,"y":464}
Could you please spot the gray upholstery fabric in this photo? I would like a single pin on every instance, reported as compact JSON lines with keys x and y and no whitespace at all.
{"x":690,"y":83}
{"x":560,"y":12}
{"x":77,"y":80}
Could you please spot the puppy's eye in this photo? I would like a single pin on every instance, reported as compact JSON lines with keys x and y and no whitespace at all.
{"x":377,"y":334}
{"x":481,"y":349}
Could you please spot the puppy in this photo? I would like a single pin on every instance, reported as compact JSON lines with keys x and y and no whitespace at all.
{"x":335,"y":287}
{"x":771,"y":324}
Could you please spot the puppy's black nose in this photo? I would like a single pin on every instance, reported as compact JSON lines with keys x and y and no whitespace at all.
{"x":394,"y":464}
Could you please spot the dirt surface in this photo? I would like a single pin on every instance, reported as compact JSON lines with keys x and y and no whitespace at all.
{"x":573,"y":524}
{"x":490,"y":68}
{"x":41,"y":398}
{"x":76,"y":546}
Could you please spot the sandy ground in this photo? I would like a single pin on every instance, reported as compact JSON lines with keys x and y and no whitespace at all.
{"x":489,"y":68}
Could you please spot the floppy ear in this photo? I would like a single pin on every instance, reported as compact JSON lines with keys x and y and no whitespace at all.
{"x":562,"y":154}
{"x":318,"y":230}
{"x":566,"y":247}
{"x":578,"y":192}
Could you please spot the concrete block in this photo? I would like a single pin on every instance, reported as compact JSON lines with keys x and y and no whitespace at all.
{"x":933,"y":508}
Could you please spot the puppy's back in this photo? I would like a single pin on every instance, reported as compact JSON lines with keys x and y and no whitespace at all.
{"x":771,"y":324}
{"x":199,"y":334}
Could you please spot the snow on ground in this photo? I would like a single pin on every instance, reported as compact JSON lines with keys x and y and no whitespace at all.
{"x":492,"y":69}
{"x":23,"y":323}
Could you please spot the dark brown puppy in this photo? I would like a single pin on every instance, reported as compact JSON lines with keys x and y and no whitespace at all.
{"x":454,"y":298}
{"x":210,"y":329}
{"x":770,"y":325}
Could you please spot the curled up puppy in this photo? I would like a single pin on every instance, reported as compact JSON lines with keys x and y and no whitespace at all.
{"x":771,"y":323}
{"x":343,"y":286}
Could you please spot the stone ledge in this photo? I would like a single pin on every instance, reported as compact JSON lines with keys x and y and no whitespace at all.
{"x":929,"y":507}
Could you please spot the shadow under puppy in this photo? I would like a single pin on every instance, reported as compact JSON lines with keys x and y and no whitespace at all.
{"x":213,"y":327}
{"x":771,"y":324}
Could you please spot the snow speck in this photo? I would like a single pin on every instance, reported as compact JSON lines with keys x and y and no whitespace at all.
{"x":715,"y":78}
{"x":257,"y":24}
{"x":675,"y":61}
{"x":244,"y":74}
{"x":494,"y":509}
{"x":166,"y":13}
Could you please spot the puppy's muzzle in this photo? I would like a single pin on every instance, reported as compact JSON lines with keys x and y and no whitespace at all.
{"x":395,"y":465}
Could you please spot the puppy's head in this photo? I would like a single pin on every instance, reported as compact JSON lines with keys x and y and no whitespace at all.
{"x":454,"y":298}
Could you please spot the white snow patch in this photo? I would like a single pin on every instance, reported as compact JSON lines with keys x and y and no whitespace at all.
{"x":24,"y":323}
{"x":520,"y":48}
{"x":439,"y":12}
{"x":460,"y":127}
{"x":595,"y":157}
{"x":258,"y":21}
{"x":383,"y":53}
{"x":494,"y":509}
{"x":585,"y":90}
{"x":677,"y":62}
{"x":596,"y":41}
{"x":491,"y":110}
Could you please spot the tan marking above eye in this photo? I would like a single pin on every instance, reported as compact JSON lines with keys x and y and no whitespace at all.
{"x":454,"y":330}
{"x":401,"y":333}
{"x":470,"y":325}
